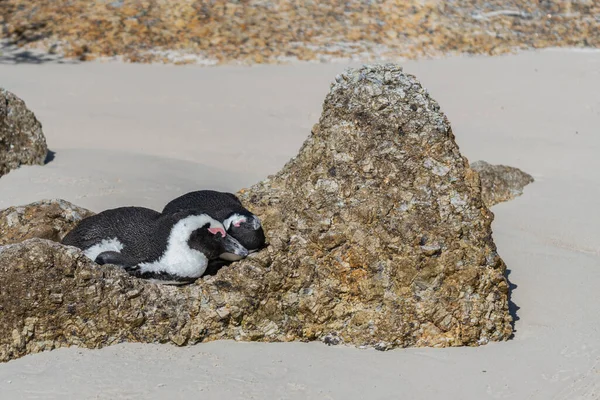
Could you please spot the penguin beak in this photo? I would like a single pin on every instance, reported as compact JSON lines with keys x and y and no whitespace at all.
{"x":233,"y":250}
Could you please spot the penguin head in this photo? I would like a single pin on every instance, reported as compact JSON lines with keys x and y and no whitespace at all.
{"x":247,"y":229}
{"x":212,"y":240}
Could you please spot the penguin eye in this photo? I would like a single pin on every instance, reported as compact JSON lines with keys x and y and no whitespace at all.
{"x":214,"y":231}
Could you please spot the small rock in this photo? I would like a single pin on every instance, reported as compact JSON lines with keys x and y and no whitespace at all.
{"x":332,"y":339}
{"x":500,"y":183}
{"x":22,"y":141}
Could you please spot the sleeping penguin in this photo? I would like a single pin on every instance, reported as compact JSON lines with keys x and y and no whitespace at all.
{"x":226,"y":208}
{"x":171,"y":248}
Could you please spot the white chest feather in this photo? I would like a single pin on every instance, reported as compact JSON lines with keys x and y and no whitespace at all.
{"x":178,"y":258}
{"x":104,"y":245}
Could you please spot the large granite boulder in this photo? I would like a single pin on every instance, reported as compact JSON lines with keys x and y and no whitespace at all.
{"x":500,"y":183}
{"x":378,"y":237}
{"x":22,"y":141}
{"x":46,"y":219}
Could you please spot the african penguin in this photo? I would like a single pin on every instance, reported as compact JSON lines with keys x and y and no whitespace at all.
{"x":226,"y":208}
{"x":172,"y":248}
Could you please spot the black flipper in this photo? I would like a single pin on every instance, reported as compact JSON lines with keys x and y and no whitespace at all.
{"x":214,"y":266}
{"x":115,"y":258}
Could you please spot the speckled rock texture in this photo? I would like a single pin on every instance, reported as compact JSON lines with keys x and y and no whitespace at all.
{"x":267,"y":31}
{"x":46,"y":219}
{"x":378,"y":237}
{"x":22,"y":141}
{"x":500,"y":183}
{"x":58,"y":297}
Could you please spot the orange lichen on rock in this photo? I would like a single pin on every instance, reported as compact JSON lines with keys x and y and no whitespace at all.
{"x":253,"y":31}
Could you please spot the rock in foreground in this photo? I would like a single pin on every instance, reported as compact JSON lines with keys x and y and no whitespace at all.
{"x":500,"y":183}
{"x":58,"y":297}
{"x":378,"y":237}
{"x":22,"y":141}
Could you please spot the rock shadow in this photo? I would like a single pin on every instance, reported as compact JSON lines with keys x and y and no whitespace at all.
{"x":10,"y":53}
{"x":512,"y":307}
{"x":50,"y":155}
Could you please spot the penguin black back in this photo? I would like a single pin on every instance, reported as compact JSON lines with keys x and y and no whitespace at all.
{"x":219,"y":205}
{"x":134,"y":228}
{"x":149,"y":244}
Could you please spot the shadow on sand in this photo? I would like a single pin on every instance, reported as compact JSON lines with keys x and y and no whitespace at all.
{"x":512,"y":307}
{"x":49,"y":156}
{"x":12,"y":54}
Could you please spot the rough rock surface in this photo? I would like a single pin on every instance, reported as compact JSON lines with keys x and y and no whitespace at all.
{"x":268,"y":31}
{"x":21,"y":138}
{"x":46,"y":219}
{"x":499,"y":182}
{"x":378,"y":237}
{"x":58,"y":297}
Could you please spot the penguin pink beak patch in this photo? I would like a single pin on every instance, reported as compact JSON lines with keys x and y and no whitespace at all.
{"x":239,"y":221}
{"x":214,"y":231}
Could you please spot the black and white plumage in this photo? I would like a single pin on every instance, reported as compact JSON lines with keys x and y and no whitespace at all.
{"x":175,"y":247}
{"x":226,"y":208}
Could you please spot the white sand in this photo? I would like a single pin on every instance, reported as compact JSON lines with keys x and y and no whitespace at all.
{"x":140,"y":134}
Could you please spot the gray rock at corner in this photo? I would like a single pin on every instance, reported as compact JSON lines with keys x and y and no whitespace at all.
{"x":378,"y":236}
{"x":500,"y":183}
{"x":22,"y":141}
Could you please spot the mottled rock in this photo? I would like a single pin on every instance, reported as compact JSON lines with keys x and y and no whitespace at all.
{"x":499,"y":182}
{"x":377,"y":228}
{"x":58,"y":297}
{"x":272,"y":31}
{"x":46,"y":219}
{"x":21,"y":138}
{"x":378,"y":237}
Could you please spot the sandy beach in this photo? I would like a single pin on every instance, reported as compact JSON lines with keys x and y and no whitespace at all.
{"x":141,"y":134}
